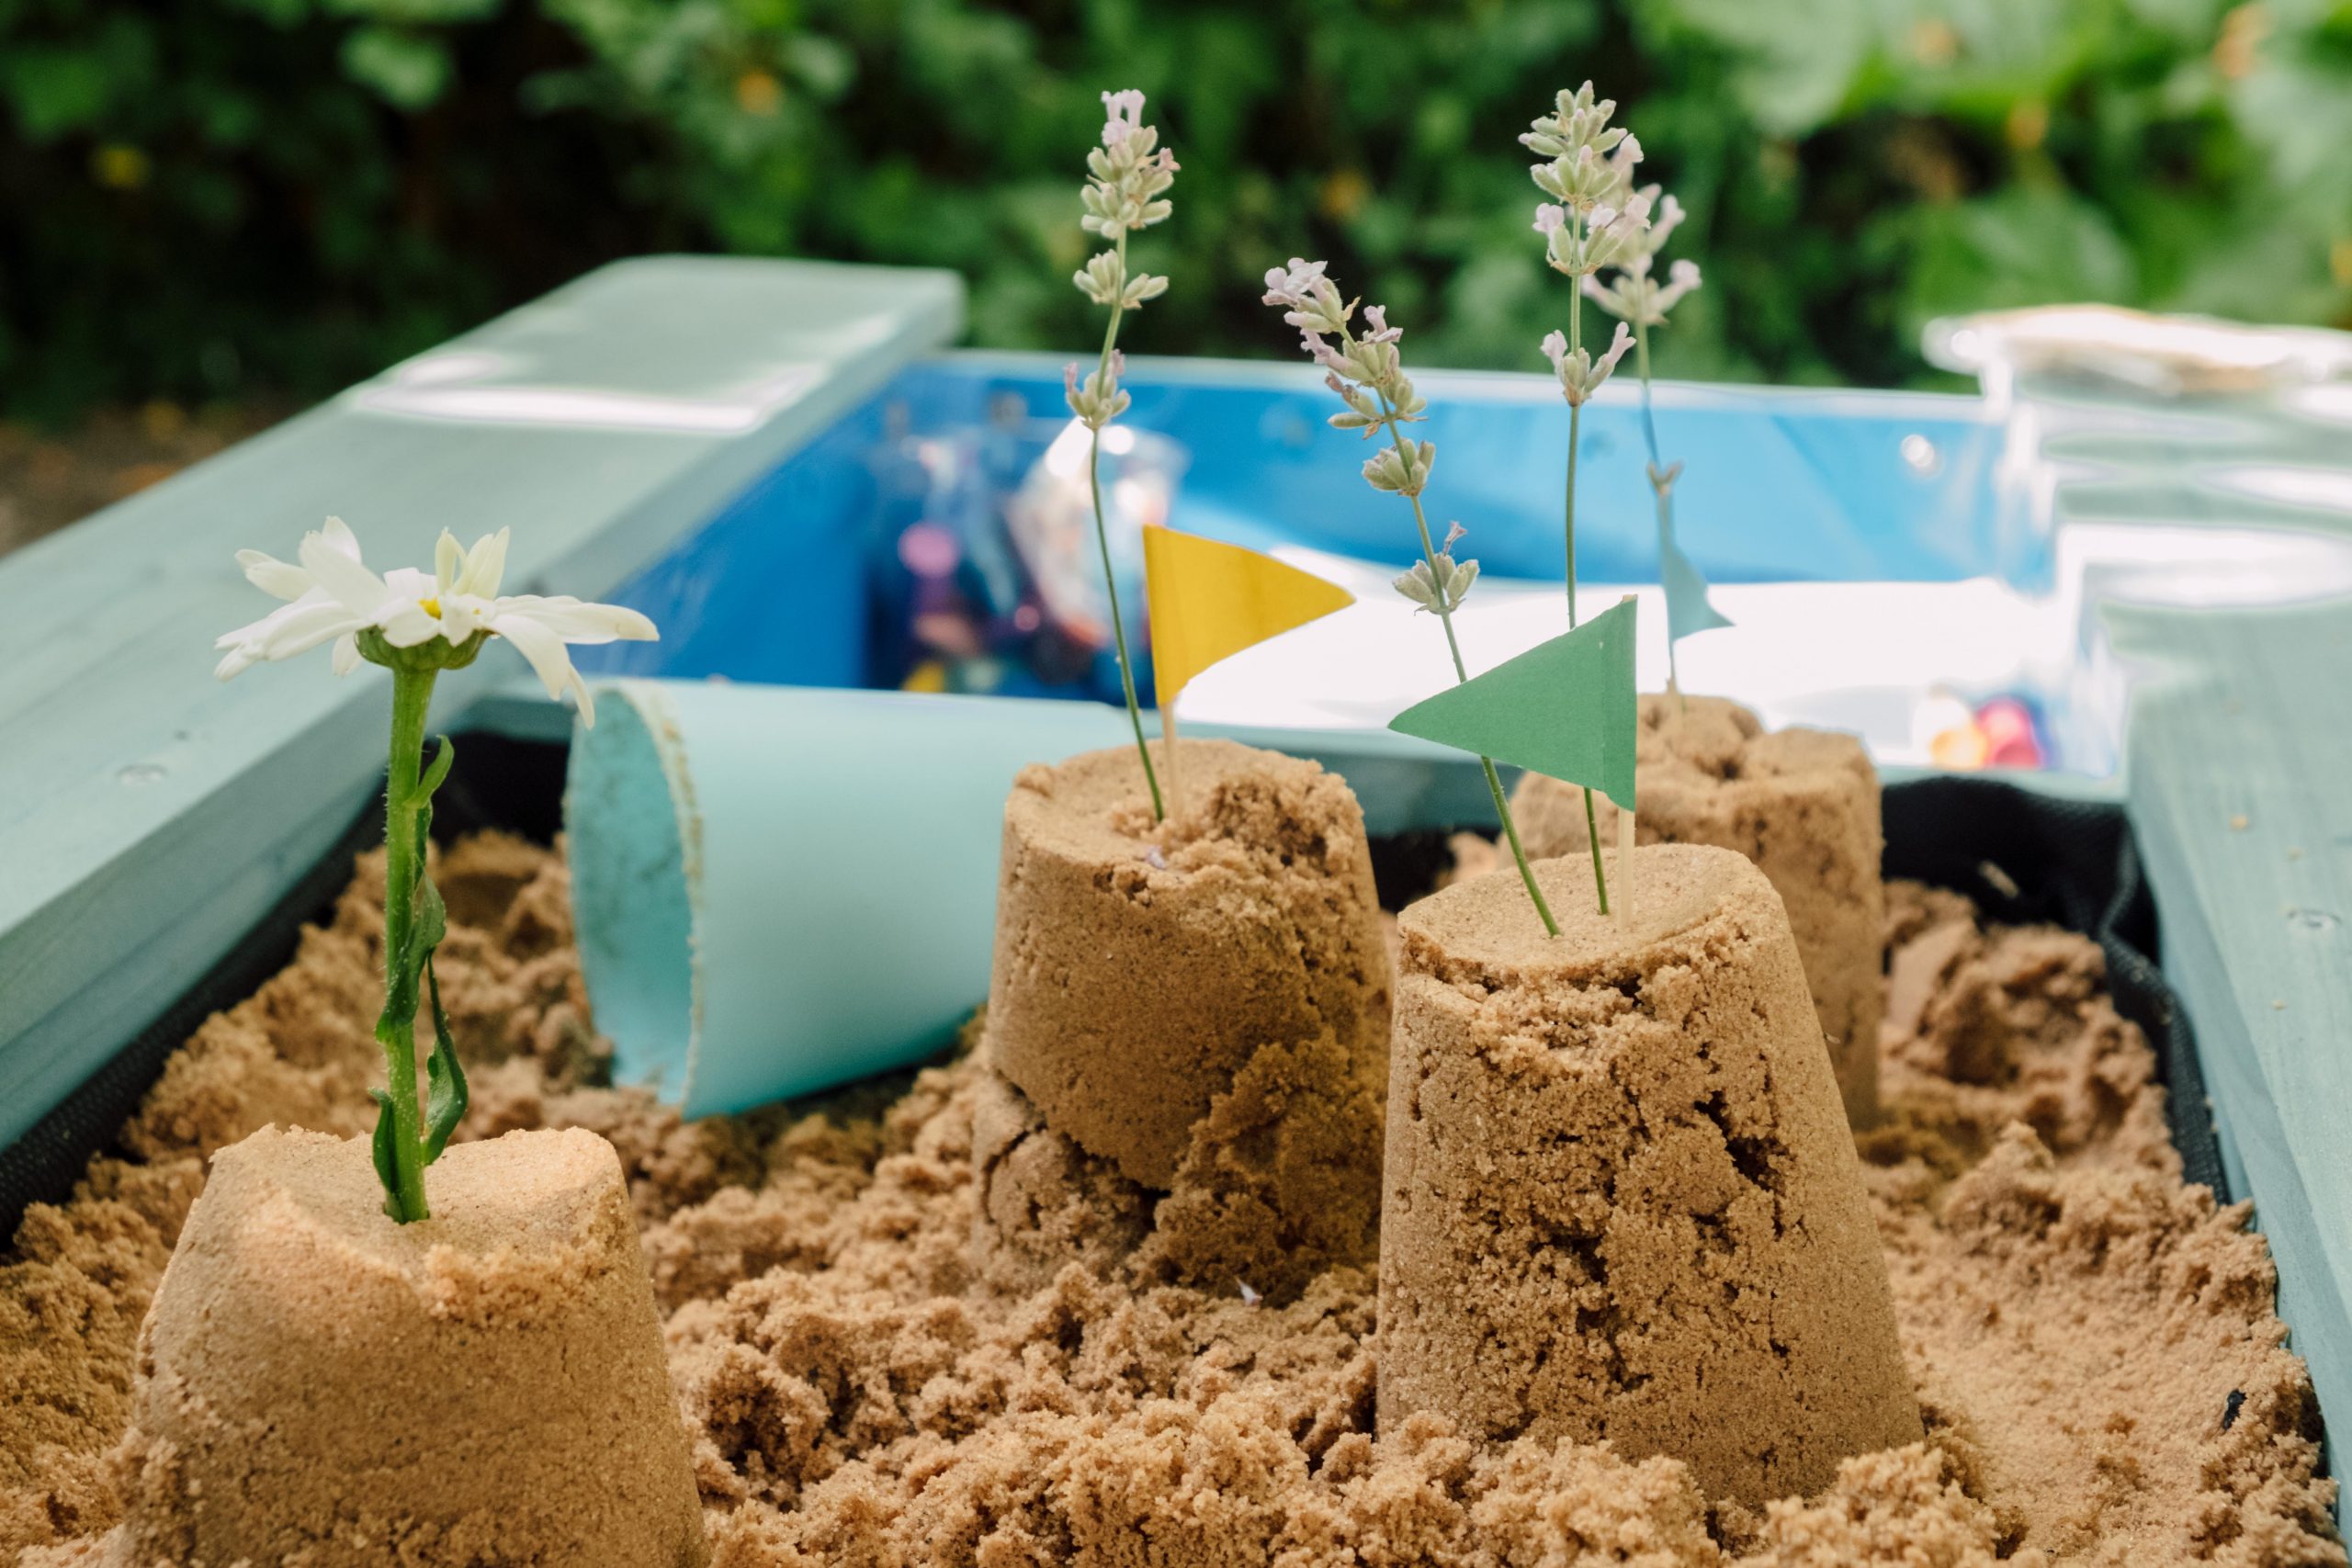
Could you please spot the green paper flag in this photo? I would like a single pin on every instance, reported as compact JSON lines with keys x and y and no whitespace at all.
{"x":1565,"y":707}
{"x":1689,"y":611}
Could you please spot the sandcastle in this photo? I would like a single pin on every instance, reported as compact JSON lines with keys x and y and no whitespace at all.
{"x":322,"y":1385}
{"x":1620,"y":1201}
{"x":1196,"y":1008}
{"x":1802,"y":803}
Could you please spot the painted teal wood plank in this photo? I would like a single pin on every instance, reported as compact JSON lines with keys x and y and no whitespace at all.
{"x":149,"y":814}
{"x":2240,"y":742}
{"x":2270,"y":458}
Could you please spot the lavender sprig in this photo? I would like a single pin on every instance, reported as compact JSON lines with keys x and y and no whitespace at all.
{"x":1595,"y":219}
{"x":1638,"y":296}
{"x":1366,"y":372}
{"x":1126,"y":178}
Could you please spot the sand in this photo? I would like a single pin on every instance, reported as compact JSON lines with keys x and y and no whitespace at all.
{"x":330,"y":1387}
{"x":1622,"y":1203}
{"x":2079,"y":1325}
{"x":1139,"y":966}
{"x":1279,"y":1181}
{"x":1802,"y":803}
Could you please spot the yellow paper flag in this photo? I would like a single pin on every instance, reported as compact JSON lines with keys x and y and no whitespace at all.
{"x":1210,"y":600}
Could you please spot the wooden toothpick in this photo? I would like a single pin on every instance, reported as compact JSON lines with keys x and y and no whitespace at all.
{"x":1625,"y":905}
{"x":1167,"y":755}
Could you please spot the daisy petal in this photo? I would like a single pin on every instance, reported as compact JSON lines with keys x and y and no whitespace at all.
{"x":485,"y":566}
{"x":542,"y":646}
{"x":580,"y":694}
{"x":339,"y":535}
{"x":274,"y":577}
{"x":339,"y":575}
{"x":347,"y":654}
{"x":462,"y":615}
{"x":405,"y":624}
{"x":448,"y":561}
{"x":310,"y":626}
{"x":296,"y":629}
{"x":402,"y":617}
{"x":575,"y":620}
{"x":260,"y":632}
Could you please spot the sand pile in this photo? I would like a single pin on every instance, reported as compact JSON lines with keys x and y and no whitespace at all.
{"x":1802,"y":803}
{"x":1246,"y":920}
{"x":2093,"y":1343}
{"x":327,"y":1387}
{"x":1188,"y":1022}
{"x":1621,"y":1201}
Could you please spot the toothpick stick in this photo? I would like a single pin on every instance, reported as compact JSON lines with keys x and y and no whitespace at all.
{"x":1625,"y":839}
{"x":1625,"y":865}
{"x":1167,"y":755}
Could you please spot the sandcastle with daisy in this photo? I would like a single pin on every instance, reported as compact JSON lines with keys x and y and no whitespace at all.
{"x":483,"y":1309}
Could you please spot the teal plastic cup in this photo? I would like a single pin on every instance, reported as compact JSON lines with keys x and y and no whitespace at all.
{"x":779,"y":890}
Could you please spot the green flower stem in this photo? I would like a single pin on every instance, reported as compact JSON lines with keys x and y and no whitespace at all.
{"x":1664,"y":492}
{"x":411,"y":695}
{"x":1576,"y":431}
{"x":1642,"y":362}
{"x":1461,"y":675}
{"x":1102,"y":540}
{"x":1576,"y":424}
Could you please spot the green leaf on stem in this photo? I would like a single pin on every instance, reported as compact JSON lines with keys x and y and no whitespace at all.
{"x":445,"y":1104}
{"x":431,"y":924}
{"x":384,"y":1150}
{"x":428,"y":923}
{"x":434,"y":775}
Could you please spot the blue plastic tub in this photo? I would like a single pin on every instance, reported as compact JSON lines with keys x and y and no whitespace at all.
{"x":798,"y":580}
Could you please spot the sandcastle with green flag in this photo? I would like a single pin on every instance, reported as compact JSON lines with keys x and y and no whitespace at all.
{"x":1581,"y":1116}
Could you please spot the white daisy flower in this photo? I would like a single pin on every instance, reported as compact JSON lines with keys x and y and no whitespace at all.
{"x":332,"y":597}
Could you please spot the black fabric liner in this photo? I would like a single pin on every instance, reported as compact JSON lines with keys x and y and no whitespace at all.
{"x":2028,"y":858}
{"x":2023,"y":857}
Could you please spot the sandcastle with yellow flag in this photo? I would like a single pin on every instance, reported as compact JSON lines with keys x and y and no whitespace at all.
{"x":1188,"y":1015}
{"x":1583,"y":1119}
{"x":1186,"y":1048}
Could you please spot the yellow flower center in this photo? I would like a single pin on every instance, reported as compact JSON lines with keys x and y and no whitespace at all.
{"x":431,"y":607}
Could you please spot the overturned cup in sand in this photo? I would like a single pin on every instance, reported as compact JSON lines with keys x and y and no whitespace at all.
{"x":320,"y":1384}
{"x":1622,"y":1203}
{"x":779,"y":890}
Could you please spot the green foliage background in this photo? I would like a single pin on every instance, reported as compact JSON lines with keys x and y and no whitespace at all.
{"x":211,"y":198}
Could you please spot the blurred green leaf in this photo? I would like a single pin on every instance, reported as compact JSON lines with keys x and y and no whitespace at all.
{"x":1793,"y":71}
{"x":2016,"y":248}
{"x":316,"y":187}
{"x":56,"y":90}
{"x":2300,"y":113}
{"x":412,"y":13}
{"x":406,"y":70}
